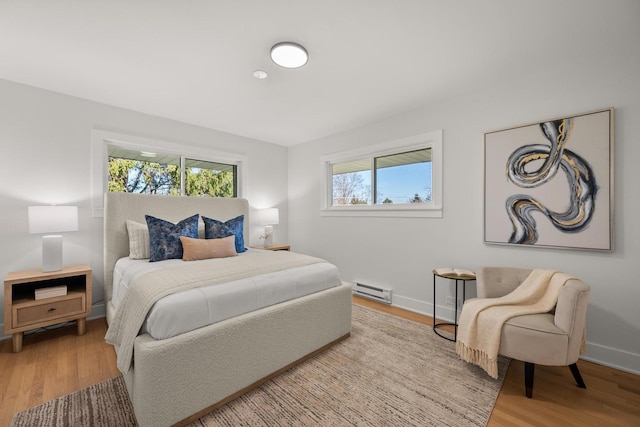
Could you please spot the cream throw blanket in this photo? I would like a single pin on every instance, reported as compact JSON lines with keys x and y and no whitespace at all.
{"x":482,"y":319}
{"x":148,"y":288}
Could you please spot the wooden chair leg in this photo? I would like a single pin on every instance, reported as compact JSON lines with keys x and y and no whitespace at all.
{"x":576,"y":375}
{"x":529,"y":369}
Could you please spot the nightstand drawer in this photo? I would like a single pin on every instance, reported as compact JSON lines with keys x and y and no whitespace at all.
{"x":39,"y":311}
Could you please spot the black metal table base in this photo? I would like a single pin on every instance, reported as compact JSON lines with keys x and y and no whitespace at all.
{"x":455,"y":313}
{"x":455,"y":333}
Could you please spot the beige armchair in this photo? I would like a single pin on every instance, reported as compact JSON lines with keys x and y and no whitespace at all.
{"x":553,"y":338}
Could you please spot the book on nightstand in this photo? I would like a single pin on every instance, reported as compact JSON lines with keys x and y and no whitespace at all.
{"x":54,"y":291}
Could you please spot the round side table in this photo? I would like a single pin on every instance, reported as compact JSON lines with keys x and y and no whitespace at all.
{"x":458,"y":278}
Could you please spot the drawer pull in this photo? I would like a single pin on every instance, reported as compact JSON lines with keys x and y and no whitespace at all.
{"x":52,"y":309}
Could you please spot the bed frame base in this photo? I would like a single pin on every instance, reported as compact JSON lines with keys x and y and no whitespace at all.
{"x":257,"y":384}
{"x":193,"y":373}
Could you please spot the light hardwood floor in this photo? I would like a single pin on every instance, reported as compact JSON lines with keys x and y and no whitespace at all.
{"x":58,"y":362}
{"x":52,"y":364}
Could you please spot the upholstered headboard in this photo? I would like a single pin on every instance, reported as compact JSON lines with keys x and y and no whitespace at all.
{"x":119,"y":207}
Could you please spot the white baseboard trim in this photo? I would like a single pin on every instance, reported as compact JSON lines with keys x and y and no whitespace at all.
{"x":444,"y":313}
{"x":613,"y":358}
{"x":97,"y":311}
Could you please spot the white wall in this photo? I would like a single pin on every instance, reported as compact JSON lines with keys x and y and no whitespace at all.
{"x":401,"y":253}
{"x":45,"y":158}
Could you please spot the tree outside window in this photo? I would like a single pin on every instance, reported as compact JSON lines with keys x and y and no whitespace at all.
{"x":149,"y":173}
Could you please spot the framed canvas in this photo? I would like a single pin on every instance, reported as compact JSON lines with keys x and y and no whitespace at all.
{"x":550,"y":184}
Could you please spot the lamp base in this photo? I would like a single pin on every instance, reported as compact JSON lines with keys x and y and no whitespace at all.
{"x":268,"y":236}
{"x":52,"y":253}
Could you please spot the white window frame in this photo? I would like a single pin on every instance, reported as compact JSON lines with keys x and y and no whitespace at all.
{"x":101,"y":140}
{"x":432,"y":209}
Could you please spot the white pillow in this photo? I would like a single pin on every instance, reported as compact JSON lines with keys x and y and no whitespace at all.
{"x":139,"y":247}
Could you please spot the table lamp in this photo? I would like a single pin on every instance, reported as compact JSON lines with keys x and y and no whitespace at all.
{"x":269,"y":217}
{"x":52,"y":219}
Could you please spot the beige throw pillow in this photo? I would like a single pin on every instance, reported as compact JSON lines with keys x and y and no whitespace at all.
{"x":195,"y":249}
{"x":138,"y":240}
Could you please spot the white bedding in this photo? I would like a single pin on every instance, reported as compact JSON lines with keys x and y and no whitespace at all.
{"x":194,"y":308}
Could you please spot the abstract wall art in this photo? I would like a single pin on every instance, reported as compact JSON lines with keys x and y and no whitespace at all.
{"x":550,"y":184}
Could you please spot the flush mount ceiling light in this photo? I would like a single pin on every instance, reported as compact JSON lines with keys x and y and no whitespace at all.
{"x":289,"y":55}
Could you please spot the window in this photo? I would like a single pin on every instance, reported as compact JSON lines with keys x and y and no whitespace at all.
{"x":152,"y":173}
{"x":142,"y":172}
{"x":124,"y":163}
{"x":395,"y":178}
{"x":400,"y":178}
{"x":204,"y":178}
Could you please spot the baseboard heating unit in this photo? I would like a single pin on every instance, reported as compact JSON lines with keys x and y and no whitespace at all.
{"x":375,"y":293}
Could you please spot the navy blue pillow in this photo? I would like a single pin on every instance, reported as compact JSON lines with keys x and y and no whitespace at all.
{"x":164,"y":236}
{"x":214,"y":229}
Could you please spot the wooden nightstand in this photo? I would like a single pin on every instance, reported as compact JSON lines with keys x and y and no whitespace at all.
{"x":274,"y":247}
{"x":22,"y":312}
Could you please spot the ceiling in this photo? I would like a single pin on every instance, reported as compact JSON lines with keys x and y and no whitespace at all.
{"x":369,"y":59}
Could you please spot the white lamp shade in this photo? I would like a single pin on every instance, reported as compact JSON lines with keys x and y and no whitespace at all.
{"x":269,"y":216}
{"x":53,"y":219}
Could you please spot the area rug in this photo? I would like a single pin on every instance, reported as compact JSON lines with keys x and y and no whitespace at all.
{"x":390,"y":372}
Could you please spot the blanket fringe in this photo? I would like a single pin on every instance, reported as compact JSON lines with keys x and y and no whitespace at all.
{"x":478,"y":357}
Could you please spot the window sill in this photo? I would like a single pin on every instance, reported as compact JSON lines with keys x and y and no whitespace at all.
{"x":380,"y":211}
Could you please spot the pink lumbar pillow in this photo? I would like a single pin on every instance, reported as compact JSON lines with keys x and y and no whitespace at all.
{"x":195,"y":249}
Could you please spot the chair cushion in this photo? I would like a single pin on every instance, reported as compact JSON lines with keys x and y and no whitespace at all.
{"x":536,"y":322}
{"x":534,"y":338}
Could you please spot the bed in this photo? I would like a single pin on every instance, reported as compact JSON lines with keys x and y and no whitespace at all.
{"x":177,"y":379}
